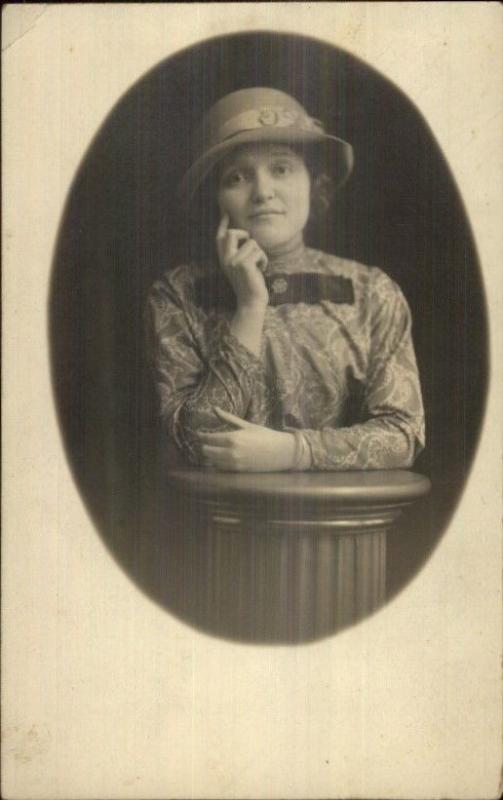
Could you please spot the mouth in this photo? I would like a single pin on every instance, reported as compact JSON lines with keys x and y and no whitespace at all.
{"x":265,"y":214}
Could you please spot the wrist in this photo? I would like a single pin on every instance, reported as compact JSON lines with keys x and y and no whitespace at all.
{"x":253,"y":306}
{"x":247,"y":325}
{"x":301,"y":459}
{"x":291,"y":450}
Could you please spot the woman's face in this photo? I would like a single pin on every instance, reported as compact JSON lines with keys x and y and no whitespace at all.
{"x":266,"y":190}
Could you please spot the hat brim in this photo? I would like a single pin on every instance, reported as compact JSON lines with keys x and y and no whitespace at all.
{"x":338,"y":154}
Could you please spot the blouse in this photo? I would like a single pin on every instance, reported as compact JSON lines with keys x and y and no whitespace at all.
{"x":337,"y":364}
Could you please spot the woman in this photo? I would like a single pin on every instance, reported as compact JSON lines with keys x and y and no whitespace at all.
{"x":275,"y":356}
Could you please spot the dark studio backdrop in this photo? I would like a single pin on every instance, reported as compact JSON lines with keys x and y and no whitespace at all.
{"x":122,"y":227}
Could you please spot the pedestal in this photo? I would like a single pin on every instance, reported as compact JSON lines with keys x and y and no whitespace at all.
{"x":292,"y":556}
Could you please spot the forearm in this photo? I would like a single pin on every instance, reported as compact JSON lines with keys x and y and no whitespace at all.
{"x":229,"y":378}
{"x":198,"y":367}
{"x":234,"y":372}
{"x":247,"y":325}
{"x":380,"y":443}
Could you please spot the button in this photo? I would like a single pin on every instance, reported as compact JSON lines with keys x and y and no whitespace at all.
{"x":279,"y":286}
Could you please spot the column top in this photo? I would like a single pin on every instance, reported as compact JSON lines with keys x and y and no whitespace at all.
{"x":371,"y":487}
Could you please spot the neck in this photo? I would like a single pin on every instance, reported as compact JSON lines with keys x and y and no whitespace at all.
{"x":289,"y":253}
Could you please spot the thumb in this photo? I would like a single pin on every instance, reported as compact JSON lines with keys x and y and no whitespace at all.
{"x":226,"y":416}
{"x":223,"y":227}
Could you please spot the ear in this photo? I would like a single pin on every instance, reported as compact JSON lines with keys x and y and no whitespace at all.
{"x":321,"y":192}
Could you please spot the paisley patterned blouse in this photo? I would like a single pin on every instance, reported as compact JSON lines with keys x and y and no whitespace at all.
{"x":338,"y":366}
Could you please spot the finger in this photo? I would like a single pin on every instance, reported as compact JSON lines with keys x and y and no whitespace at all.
{"x":257,"y":250}
{"x":234,"y":239}
{"x":216,"y":457}
{"x":226,"y":416}
{"x":224,"y":226}
{"x":241,"y":254}
{"x":262,"y":261}
{"x":215,"y":439}
{"x":249,"y":254}
{"x":213,"y":454}
{"x":221,"y":236}
{"x":240,"y":234}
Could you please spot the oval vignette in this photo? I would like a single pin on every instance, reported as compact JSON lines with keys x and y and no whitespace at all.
{"x":121,"y":228}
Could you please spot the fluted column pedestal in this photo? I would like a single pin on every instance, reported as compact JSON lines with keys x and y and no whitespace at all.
{"x":292,"y":557}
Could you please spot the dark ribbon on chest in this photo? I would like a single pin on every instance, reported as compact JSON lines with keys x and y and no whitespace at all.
{"x":297,"y":287}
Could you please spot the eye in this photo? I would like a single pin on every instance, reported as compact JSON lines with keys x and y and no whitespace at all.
{"x":282,"y":168}
{"x":233,"y":177}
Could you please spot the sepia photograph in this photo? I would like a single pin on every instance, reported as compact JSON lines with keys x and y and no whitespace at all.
{"x":261,"y":291}
{"x":261,"y":500}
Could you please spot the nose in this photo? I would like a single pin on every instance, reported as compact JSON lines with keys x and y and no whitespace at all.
{"x":263,"y":186}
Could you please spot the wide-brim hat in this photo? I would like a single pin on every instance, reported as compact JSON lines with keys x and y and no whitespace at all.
{"x":256,"y":115}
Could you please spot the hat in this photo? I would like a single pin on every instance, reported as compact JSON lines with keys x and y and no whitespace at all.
{"x":261,"y":115}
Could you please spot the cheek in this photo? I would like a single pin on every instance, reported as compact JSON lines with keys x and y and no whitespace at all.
{"x":305,"y":207}
{"x":221,"y":202}
{"x":229,"y":205}
{"x":304,"y":192}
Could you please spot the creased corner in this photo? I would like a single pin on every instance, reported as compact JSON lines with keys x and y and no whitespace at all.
{"x":18,"y":20}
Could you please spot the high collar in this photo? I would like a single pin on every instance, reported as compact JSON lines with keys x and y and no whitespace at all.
{"x":289,"y":260}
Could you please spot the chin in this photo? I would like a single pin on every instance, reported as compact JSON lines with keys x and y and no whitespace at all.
{"x":267,"y":242}
{"x":270,"y":247}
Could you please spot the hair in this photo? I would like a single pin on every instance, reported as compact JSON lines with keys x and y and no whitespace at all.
{"x":322,"y":184}
{"x":203,"y":213}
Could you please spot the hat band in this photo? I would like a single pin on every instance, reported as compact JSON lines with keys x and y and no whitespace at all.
{"x":254,"y":119}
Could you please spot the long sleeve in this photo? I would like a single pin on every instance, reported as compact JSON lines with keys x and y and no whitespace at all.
{"x":195,"y":366}
{"x":391,"y":432}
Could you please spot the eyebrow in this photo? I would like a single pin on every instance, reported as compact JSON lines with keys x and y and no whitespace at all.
{"x":285,"y":151}
{"x":275,"y":151}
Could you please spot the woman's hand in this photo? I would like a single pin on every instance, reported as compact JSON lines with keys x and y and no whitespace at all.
{"x":243,"y":262}
{"x":250,"y":448}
